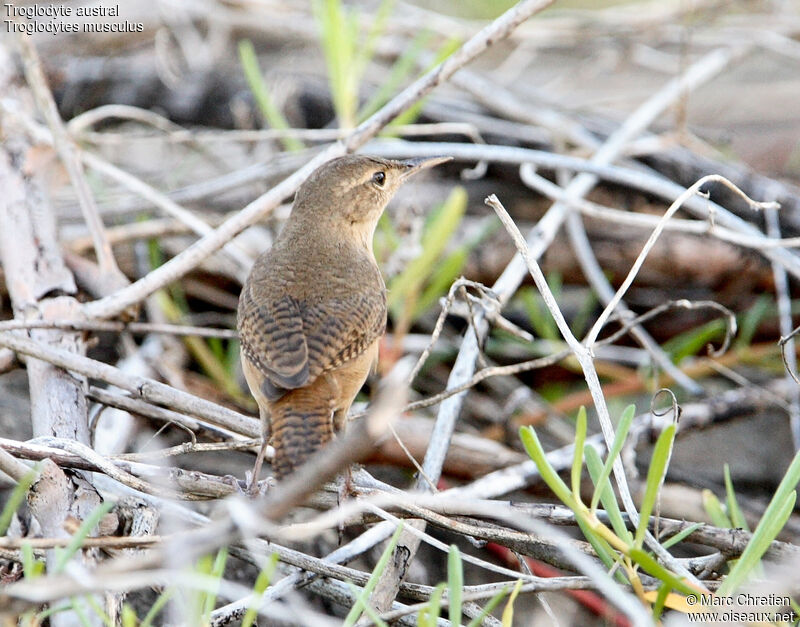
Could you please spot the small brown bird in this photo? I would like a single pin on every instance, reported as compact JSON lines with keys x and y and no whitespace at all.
{"x":313,"y":309}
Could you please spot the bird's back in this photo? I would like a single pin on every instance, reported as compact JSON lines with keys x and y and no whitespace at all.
{"x":304,"y":314}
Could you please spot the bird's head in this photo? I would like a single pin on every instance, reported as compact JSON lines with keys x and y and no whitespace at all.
{"x":352,"y":191}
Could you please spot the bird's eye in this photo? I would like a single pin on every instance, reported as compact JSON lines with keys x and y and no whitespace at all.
{"x":379,"y":178}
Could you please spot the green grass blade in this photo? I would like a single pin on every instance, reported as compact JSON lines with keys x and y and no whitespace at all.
{"x":215,"y":345}
{"x":655,"y":475}
{"x":16,"y":497}
{"x":330,"y":24}
{"x":98,"y":610}
{"x":681,"y":535}
{"x":386,"y":237}
{"x":232,"y":355}
{"x":351,"y":71}
{"x":444,"y":274}
{"x":217,"y":571}
{"x":75,"y":606}
{"x":538,"y":315}
{"x":580,"y":323}
{"x":215,"y":368}
{"x":534,"y":449}
{"x":693,"y":341}
{"x":129,"y":617}
{"x":443,"y":221}
{"x":508,"y":612}
{"x":607,"y":498}
{"x":448,"y":270}
{"x":255,"y":80}
{"x":455,"y":583}
{"x":771,"y":523}
{"x":197,"y":597}
{"x":401,"y":70}
{"x":623,"y":427}
{"x":429,"y":615}
{"x":648,"y":563}
{"x":751,"y":320}
{"x":751,"y":557}
{"x":437,"y":233}
{"x":355,"y":612}
{"x":488,"y":608}
{"x":89,"y":523}
{"x":795,"y":607}
{"x":159,"y":604}
{"x":53,"y":609}
{"x":366,"y":50}
{"x":577,"y":458}
{"x":412,"y":113}
{"x":734,"y":511}
{"x":715,"y":511}
{"x":262,"y":583}
{"x":337,"y":33}
{"x":661,"y":598}
{"x":31,"y":567}
{"x":603,"y":549}
{"x":368,"y":609}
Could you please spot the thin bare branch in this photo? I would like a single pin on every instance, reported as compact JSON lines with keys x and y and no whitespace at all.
{"x":68,"y":153}
{"x":617,"y":298}
{"x":137,"y":328}
{"x":140,"y":387}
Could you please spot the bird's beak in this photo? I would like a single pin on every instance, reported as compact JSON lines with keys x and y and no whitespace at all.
{"x":412,"y":166}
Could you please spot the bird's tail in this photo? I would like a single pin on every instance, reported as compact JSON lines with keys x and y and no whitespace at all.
{"x":300,"y":424}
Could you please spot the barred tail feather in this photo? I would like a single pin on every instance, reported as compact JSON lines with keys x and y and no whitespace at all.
{"x":301,"y":424}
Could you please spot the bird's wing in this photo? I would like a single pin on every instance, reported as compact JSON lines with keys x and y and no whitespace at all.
{"x":341,"y":329}
{"x":271,"y":333}
{"x":292,"y":341}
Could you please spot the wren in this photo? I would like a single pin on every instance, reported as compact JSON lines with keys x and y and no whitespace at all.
{"x":313,"y":309}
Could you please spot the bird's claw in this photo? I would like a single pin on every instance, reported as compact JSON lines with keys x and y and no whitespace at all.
{"x":254,"y":489}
